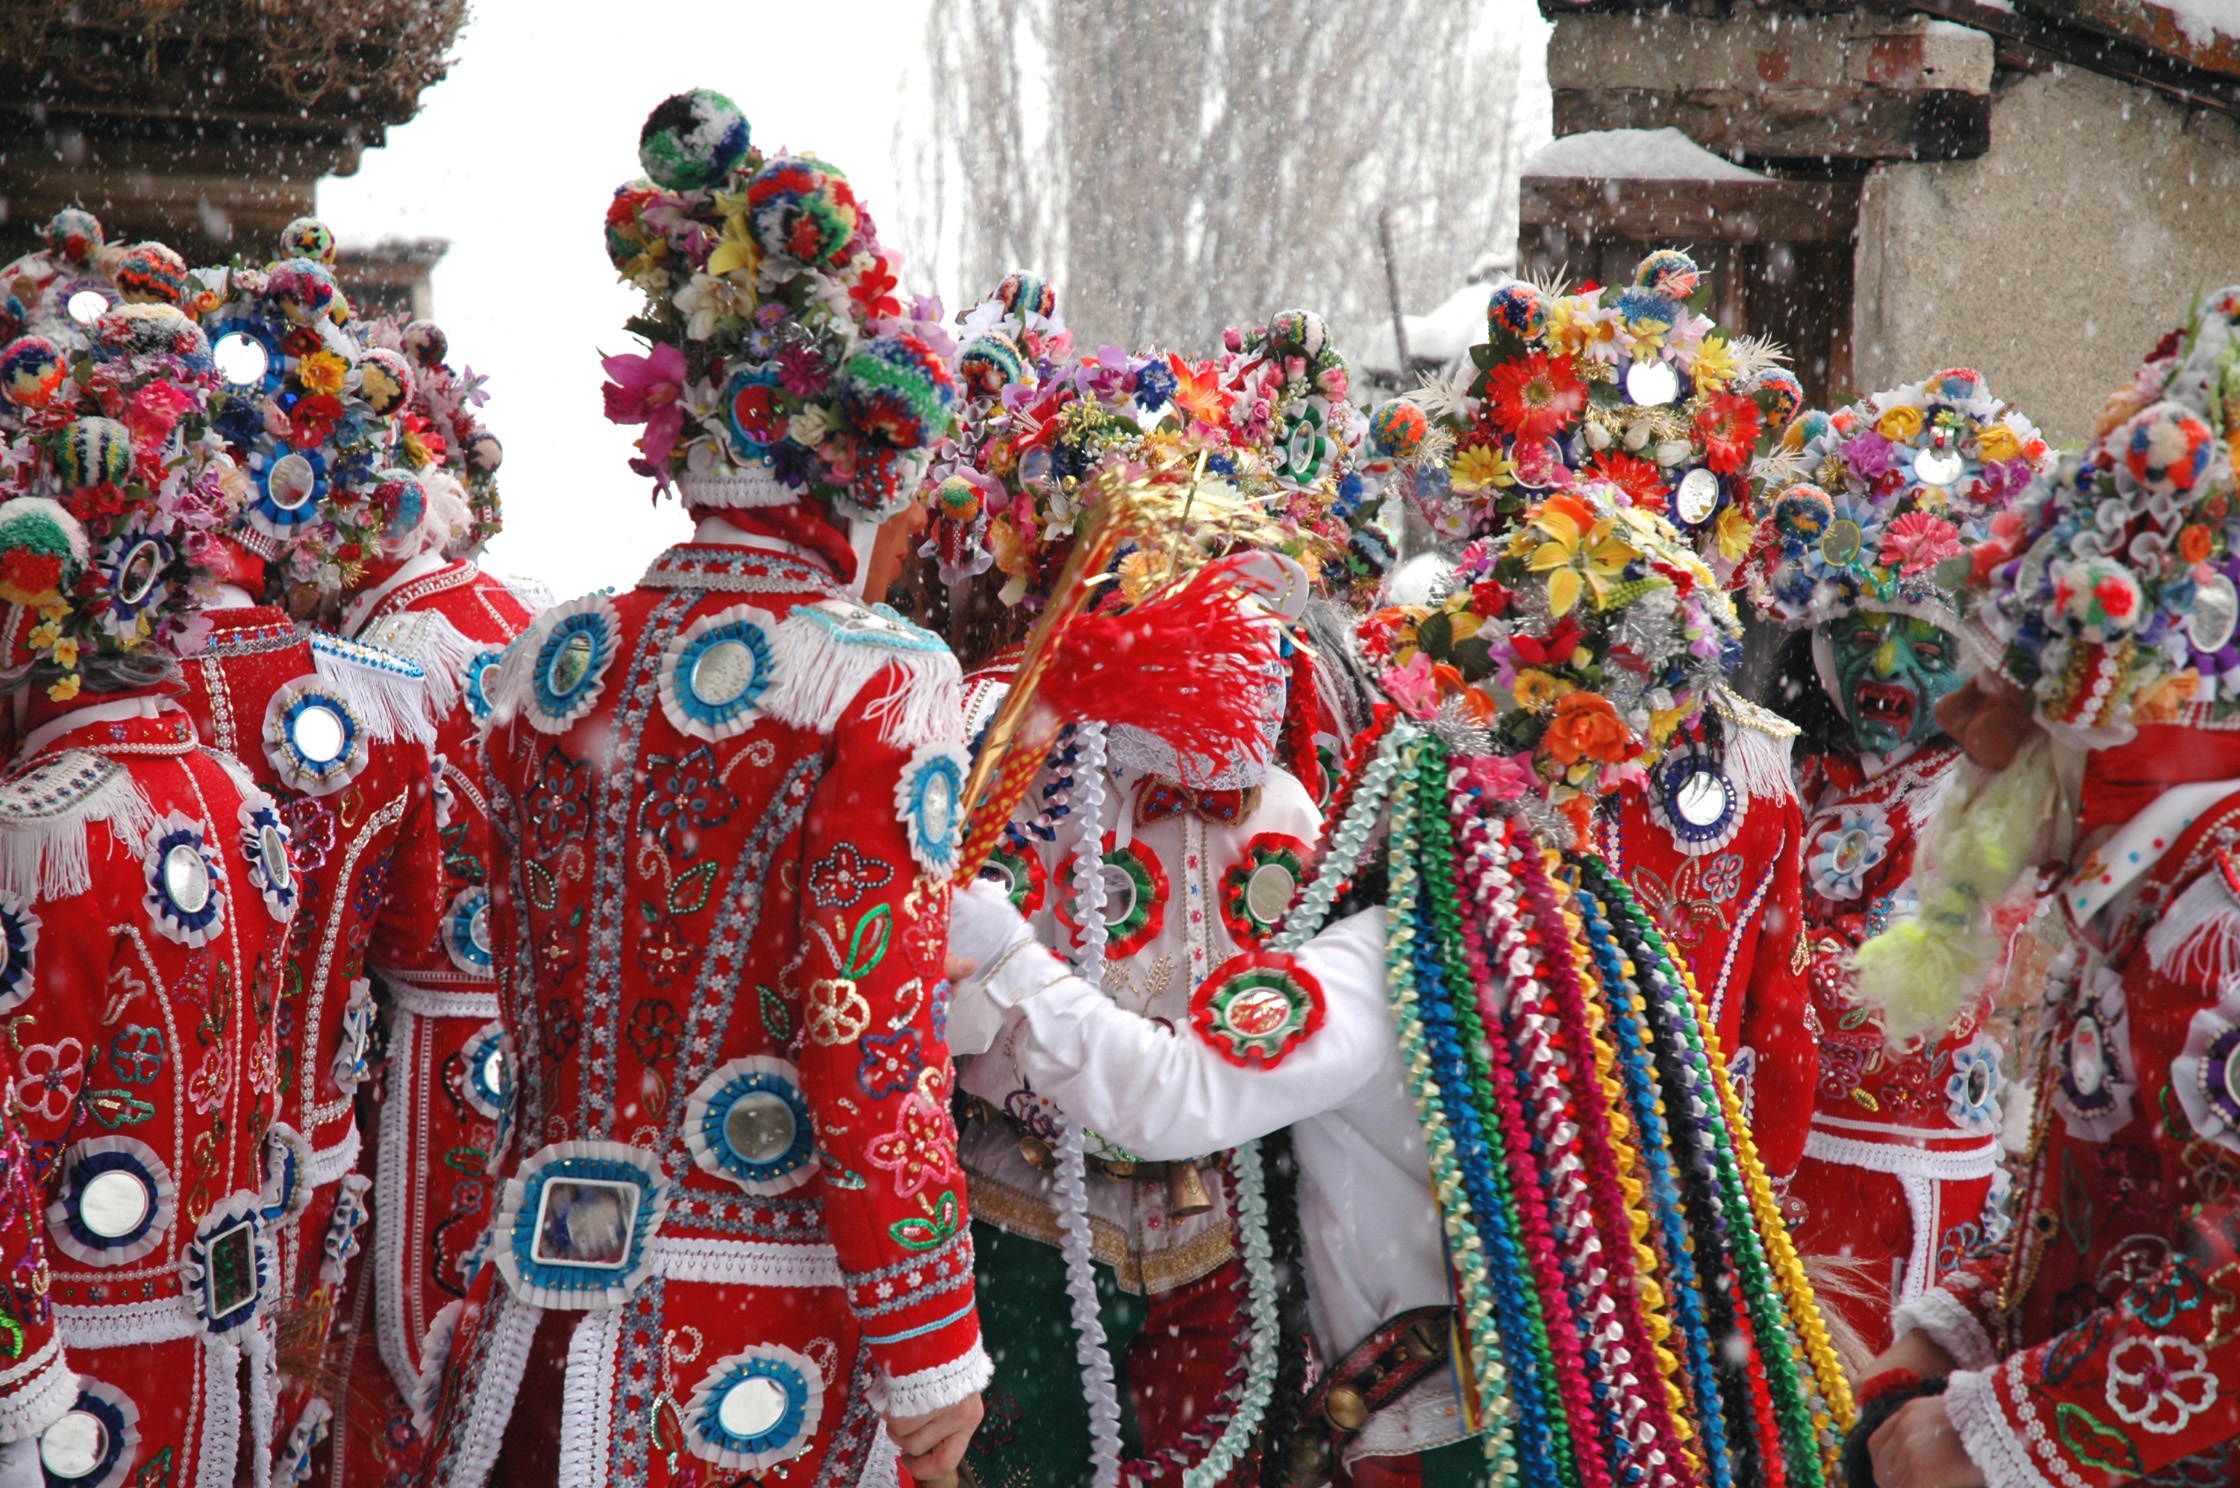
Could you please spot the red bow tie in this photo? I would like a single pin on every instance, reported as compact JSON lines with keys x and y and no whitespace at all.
{"x":1156,"y":800}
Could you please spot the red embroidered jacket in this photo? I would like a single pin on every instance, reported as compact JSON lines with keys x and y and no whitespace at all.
{"x":444,"y":1088}
{"x":2097,"y":1346}
{"x":1730,"y":897}
{"x":145,"y":893}
{"x":1903,"y":1145}
{"x":336,"y":733}
{"x":728,"y":801}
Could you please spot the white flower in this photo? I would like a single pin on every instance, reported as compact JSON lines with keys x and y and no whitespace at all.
{"x":707,"y":300}
{"x":2160,"y":1383}
{"x":809,"y":427}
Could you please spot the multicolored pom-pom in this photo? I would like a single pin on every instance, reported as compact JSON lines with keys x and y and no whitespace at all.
{"x":425,"y":342}
{"x":152,"y":274}
{"x":2167,"y":449}
{"x":958,"y":500}
{"x":1802,"y":513}
{"x":31,"y":368}
{"x":1517,"y":310}
{"x":1299,"y":333}
{"x":42,"y":548}
{"x":1398,"y":430}
{"x":402,"y":501}
{"x":691,"y":140}
{"x":2100,"y":596}
{"x":1668,"y":273}
{"x":385,"y":380}
{"x":990,"y":364}
{"x":1777,"y":393}
{"x":308,"y":237}
{"x":485,"y":454}
{"x":1960,"y":386}
{"x":91,"y":451}
{"x":74,"y":236}
{"x":1023,"y":294}
{"x":803,"y":209}
{"x":303,"y":289}
{"x":898,"y":392}
{"x":137,"y":332}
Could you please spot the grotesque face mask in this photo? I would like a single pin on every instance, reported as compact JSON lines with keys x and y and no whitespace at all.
{"x":1891,"y":671}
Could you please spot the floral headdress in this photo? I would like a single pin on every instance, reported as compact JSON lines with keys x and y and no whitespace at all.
{"x":439,"y":431}
{"x":61,"y":290}
{"x":1586,"y":638}
{"x":113,"y":498}
{"x":782,"y":365}
{"x":2112,"y":585}
{"x":1876,"y":505}
{"x":1633,"y":387}
{"x":308,"y":414}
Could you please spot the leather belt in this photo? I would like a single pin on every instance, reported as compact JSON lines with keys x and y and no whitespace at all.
{"x":1380,"y":1369}
{"x":1186,"y":1191}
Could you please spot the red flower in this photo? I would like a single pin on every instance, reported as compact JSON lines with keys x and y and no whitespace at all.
{"x":1728,"y":425}
{"x":1536,"y":396}
{"x":1554,"y":649}
{"x":1489,"y":598}
{"x":312,"y":420}
{"x":875,"y":291}
{"x":1639,"y":479}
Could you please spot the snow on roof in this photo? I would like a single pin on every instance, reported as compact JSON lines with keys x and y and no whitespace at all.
{"x":1647,"y":154}
{"x":2203,"y":20}
{"x":1442,"y":333}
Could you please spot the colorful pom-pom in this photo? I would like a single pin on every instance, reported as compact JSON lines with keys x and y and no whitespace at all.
{"x":91,"y":451}
{"x":1517,"y":310}
{"x":2100,"y":597}
{"x":691,"y":140}
{"x":628,"y":236}
{"x":385,"y":380}
{"x":31,"y":368}
{"x":12,"y":318}
{"x":152,"y":274}
{"x":990,"y":364}
{"x":958,"y":500}
{"x":1023,"y":294}
{"x":898,"y":392}
{"x":425,"y":342}
{"x":74,"y":236}
{"x":42,"y":547}
{"x":485,"y":454}
{"x":1802,"y":513}
{"x":308,"y":237}
{"x":1668,"y":273}
{"x":1299,"y":333}
{"x":2167,"y":449}
{"x":1399,"y":429}
{"x":1960,"y":386}
{"x":1777,"y":393}
{"x":803,"y":210}
{"x":136,"y":333}
{"x":402,"y":501}
{"x":303,"y":289}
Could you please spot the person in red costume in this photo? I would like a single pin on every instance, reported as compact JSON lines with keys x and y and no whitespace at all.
{"x":146,"y":894}
{"x":444,"y":1088}
{"x":1898,"y":1171}
{"x":2094,"y":1347}
{"x":336,"y":731}
{"x":732,"y":1236}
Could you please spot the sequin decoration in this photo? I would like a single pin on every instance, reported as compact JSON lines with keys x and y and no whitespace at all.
{"x":1256,"y":892}
{"x":1135,"y":899}
{"x":466,"y":931}
{"x":264,"y":845}
{"x":19,"y":939}
{"x":475,"y":681}
{"x":576,"y":1223}
{"x":488,"y":1080}
{"x":929,"y":800}
{"x":1254,"y":1009}
{"x":94,"y":1442}
{"x":314,"y":740}
{"x":228,"y":1266}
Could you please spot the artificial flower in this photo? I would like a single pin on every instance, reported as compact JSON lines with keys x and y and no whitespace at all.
{"x":1198,"y":392}
{"x":1900,"y":425}
{"x":1536,"y":396}
{"x":645,"y":390}
{"x":1998,"y":442}
{"x":1918,"y":541}
{"x":1578,"y":552}
{"x":1735,"y":534}
{"x":1536,"y":690}
{"x":1586,"y":727}
{"x":1728,"y":424}
{"x":1715,"y":364}
{"x":1643,"y":484}
{"x":708,"y":300}
{"x":322,"y":372}
{"x":1480,"y":466}
{"x":1413,"y":687}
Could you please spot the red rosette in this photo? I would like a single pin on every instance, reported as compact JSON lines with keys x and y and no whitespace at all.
{"x":1257,"y":1007}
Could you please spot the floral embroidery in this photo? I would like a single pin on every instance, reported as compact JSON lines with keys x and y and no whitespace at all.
{"x":654,"y":1030}
{"x":136,"y":1054}
{"x":561,"y":1030}
{"x":1845,"y":851}
{"x":890,"y":1063}
{"x":918,"y":1150}
{"x":52,"y":1075}
{"x":683,"y":795}
{"x":837,"y":1013}
{"x":311,"y":833}
{"x":560,"y":799}
{"x":1723,"y":879}
{"x":2159,"y":1384}
{"x":665,"y":952}
{"x":845,"y":875}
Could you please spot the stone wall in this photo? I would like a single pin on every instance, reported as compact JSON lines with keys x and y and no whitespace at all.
{"x":2054,"y":261}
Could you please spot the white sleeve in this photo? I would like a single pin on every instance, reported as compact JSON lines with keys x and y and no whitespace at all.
{"x":1168,"y":1095}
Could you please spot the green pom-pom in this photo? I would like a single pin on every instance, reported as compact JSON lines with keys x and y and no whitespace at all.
{"x":692,"y":140}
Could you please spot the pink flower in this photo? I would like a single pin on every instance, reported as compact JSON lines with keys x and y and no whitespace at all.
{"x":645,"y":391}
{"x":1918,"y":541}
{"x":1413,"y":687}
{"x":1499,"y":776}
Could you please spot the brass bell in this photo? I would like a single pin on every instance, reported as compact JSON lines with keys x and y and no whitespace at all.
{"x":1037,"y":1153}
{"x":1186,"y":1191}
{"x":1345,"y":1408}
{"x":1310,"y":1459}
{"x":1418,"y":1344}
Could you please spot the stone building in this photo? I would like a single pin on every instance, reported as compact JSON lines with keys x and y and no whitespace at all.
{"x":2035,"y":188}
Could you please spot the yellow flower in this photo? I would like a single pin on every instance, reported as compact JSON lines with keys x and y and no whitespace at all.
{"x":322,"y":372}
{"x":1140,"y":573}
{"x":1715,"y":365}
{"x":1481,"y":466}
{"x":1463,"y":623}
{"x":738,"y":250}
{"x":64,"y":690}
{"x":1735,"y":532}
{"x":1580,"y":552}
{"x":1901,"y":425}
{"x":1662,"y":722}
{"x":1998,"y":442}
{"x":66,"y":652}
{"x":1536,"y":689}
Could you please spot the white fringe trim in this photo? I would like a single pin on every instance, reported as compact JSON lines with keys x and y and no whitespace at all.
{"x":745,"y":1262}
{"x":393,"y":698}
{"x":1758,"y":763}
{"x":490,"y":1407}
{"x":2198,"y":937}
{"x":435,"y":1359}
{"x":821,"y":673}
{"x":429,"y":640}
{"x":1950,"y":1326}
{"x":883,"y":1468}
{"x":44,"y":814}
{"x":41,"y":1391}
{"x":587,"y":1400}
{"x":220,"y":1446}
{"x":1988,"y":1435}
{"x":929,"y":1390}
{"x":392,"y":1172}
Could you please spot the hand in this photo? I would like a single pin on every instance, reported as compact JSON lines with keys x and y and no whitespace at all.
{"x":932,"y":1446}
{"x":1918,"y":1448}
{"x":1989,"y":718}
{"x":1916,"y":1351}
{"x":960,"y":967}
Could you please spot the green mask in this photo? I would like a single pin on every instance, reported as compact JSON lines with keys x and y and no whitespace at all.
{"x":1893,"y":670}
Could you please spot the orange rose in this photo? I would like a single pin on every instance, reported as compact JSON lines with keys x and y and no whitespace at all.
{"x":2193,"y":542}
{"x":1587,"y":727}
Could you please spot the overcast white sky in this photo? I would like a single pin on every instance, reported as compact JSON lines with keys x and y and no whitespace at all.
{"x":513,"y":158}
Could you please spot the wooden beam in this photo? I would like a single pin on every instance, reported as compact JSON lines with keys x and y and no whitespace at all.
{"x":1687,"y":211}
{"x":1805,"y":124}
